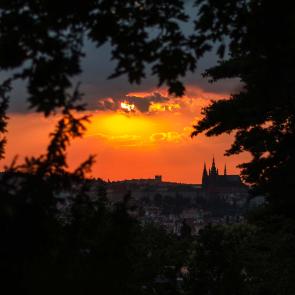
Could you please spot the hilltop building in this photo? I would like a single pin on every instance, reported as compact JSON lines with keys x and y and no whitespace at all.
{"x":215,"y":183}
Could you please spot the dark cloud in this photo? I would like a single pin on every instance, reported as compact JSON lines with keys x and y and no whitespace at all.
{"x":141,"y":104}
{"x":107,"y":104}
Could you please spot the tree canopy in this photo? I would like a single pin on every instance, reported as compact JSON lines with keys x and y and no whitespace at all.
{"x":260,"y":40}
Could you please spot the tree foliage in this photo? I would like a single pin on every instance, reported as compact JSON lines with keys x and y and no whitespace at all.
{"x":259,"y":40}
{"x":74,"y":242}
{"x":243,"y":259}
{"x":218,"y":263}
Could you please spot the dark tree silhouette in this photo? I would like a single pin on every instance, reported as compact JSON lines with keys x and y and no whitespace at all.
{"x":258,"y":40}
{"x":219,"y":262}
{"x":86,"y":247}
{"x":41,"y":42}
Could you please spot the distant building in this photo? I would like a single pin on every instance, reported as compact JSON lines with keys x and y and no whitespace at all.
{"x":213,"y":182}
{"x":158,"y":178}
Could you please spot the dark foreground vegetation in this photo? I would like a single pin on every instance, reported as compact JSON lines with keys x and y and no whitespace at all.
{"x":84,"y":247}
{"x":94,"y":248}
{"x":79,"y":243}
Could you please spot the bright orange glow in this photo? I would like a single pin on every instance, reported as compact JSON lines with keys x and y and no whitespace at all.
{"x":130,"y":144}
{"x":119,"y":124}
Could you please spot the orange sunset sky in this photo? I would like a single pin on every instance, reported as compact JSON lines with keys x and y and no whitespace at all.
{"x":144,"y":134}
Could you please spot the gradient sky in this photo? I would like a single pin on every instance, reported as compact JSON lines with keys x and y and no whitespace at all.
{"x":152,"y":138}
{"x":149,"y":135}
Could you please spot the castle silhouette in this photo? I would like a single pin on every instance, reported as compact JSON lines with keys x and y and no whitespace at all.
{"x":212,"y":181}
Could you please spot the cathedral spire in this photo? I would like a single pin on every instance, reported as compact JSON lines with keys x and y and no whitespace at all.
{"x":205,"y":170}
{"x":205,"y":174}
{"x":213,"y":168}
